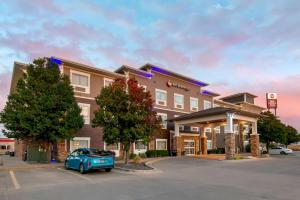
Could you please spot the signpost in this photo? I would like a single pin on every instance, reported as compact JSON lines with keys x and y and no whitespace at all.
{"x":272,"y":101}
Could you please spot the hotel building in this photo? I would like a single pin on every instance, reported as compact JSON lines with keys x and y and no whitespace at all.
{"x":195,"y":120}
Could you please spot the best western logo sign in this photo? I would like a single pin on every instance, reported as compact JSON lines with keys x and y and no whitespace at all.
{"x":271,"y":100}
{"x":171,"y":84}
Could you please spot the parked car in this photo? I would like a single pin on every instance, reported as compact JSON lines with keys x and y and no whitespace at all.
{"x":85,"y":159}
{"x":280,"y":150}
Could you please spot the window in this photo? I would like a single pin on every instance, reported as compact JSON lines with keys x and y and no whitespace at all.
{"x":80,"y":81}
{"x":236,"y":128}
{"x":79,"y":142}
{"x":161,"y":144}
{"x":209,"y":144}
{"x":217,"y":129}
{"x":181,"y":127}
{"x":108,"y":82}
{"x":207,"y":104}
{"x":85,"y":112}
{"x":161,"y":97}
{"x":193,"y":104}
{"x":3,"y":147}
{"x":164,"y":117}
{"x":195,"y":129}
{"x":207,"y":130}
{"x":178,"y":101}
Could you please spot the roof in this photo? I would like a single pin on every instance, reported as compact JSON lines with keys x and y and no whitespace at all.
{"x":174,"y":74}
{"x":209,"y":93}
{"x":134,"y":71}
{"x":212,"y":112}
{"x":238,"y":94}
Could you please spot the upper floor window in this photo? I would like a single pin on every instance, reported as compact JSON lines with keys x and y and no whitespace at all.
{"x":207,"y":104}
{"x":161,"y":97}
{"x":164,"y":117}
{"x":108,"y":82}
{"x":193,"y":104}
{"x":178,"y":101}
{"x":85,"y":112}
{"x":80,"y":81}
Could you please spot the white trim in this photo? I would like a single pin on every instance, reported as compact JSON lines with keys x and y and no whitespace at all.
{"x":90,"y":98}
{"x":191,"y":108}
{"x":117,"y":152}
{"x":205,"y":101}
{"x":87,"y":88}
{"x":164,"y":125}
{"x":161,"y":140}
{"x":79,"y":138}
{"x":166,"y":109}
{"x":190,"y":134}
{"x":177,"y":104}
{"x":156,"y":100}
{"x":89,"y":111}
{"x":107,"y":79}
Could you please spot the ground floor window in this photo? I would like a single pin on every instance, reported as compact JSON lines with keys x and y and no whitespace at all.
{"x":140,"y":147}
{"x":189,"y":147}
{"x":113,"y":147}
{"x":161,"y":144}
{"x":209,"y":144}
{"x":79,"y":142}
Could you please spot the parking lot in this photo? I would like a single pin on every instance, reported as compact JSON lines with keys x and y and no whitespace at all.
{"x":179,"y":178}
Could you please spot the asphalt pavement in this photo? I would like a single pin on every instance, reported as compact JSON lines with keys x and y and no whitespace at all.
{"x":178,"y":178}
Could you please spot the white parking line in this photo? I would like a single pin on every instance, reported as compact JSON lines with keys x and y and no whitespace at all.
{"x":14,"y":179}
{"x":76,"y":174}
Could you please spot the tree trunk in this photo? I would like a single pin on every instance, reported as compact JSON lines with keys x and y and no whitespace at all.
{"x":267,"y":146}
{"x":126,"y":149}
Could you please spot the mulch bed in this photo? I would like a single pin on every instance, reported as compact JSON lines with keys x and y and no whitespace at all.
{"x":134,"y":166}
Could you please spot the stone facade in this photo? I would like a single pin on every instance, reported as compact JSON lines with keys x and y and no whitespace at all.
{"x":203,"y":145}
{"x":229,"y":145}
{"x":62,"y":152}
{"x":214,"y":139}
{"x":178,"y":145}
{"x":254,"y":140}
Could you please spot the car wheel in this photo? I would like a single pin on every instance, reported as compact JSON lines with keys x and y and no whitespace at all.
{"x":67,"y":165}
{"x":282,"y":153}
{"x":81,"y":169}
{"x":108,"y":170}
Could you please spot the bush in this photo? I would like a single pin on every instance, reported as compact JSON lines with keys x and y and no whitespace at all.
{"x":248,"y":148}
{"x":143,"y":155}
{"x":132,"y":156}
{"x":216,"y":151}
{"x":137,"y":159}
{"x":157,"y":153}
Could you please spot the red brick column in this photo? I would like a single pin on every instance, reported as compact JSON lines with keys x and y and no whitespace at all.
{"x":203,"y":145}
{"x":254,"y":141}
{"x":241,"y":137}
{"x":178,"y":145}
{"x":61,"y":151}
{"x":229,"y":145}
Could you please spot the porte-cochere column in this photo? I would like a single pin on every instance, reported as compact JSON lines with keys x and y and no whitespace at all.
{"x":229,"y":137}
{"x":203,"y":141}
{"x":254,"y":141}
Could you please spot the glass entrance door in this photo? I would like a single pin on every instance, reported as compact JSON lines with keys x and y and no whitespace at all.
{"x":189,"y":147}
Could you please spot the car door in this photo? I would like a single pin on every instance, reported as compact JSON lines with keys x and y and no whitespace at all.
{"x":77,"y":158}
{"x":70,"y":159}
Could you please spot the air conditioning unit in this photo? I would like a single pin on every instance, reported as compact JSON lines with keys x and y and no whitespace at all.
{"x":194,"y":109}
{"x":178,"y":106}
{"x":79,"y":89}
{"x":161,"y":103}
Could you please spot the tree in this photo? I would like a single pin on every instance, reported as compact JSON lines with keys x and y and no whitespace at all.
{"x":43,"y":107}
{"x":291,"y":135}
{"x":270,"y":129}
{"x":126,"y":114}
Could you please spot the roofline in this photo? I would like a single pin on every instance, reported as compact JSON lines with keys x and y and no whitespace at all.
{"x":88,"y":67}
{"x":225,"y":102}
{"x":209,"y":93}
{"x":238,"y":94}
{"x":134,"y":70}
{"x":171,"y":73}
{"x":250,"y":104}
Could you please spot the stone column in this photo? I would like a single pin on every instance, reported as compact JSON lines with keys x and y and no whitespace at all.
{"x":203,"y":142}
{"x":213,"y":138}
{"x":241,"y":137}
{"x":178,"y":145}
{"x":229,"y":145}
{"x":254,"y":141}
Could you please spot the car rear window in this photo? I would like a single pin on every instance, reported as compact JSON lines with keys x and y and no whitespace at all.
{"x":100,"y":152}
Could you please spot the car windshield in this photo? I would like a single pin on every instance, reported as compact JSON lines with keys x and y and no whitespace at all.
{"x":99,"y":152}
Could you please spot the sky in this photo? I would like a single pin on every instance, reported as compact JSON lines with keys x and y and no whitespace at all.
{"x":236,"y":46}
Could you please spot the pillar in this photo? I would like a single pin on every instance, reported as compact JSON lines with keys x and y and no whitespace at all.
{"x":229,"y":137}
{"x":241,"y":137}
{"x":203,"y":142}
{"x":61,"y":151}
{"x":254,"y":141}
{"x":177,"y":140}
{"x":214,"y":138}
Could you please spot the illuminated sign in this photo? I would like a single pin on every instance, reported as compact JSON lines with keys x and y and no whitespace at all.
{"x":271,"y":100}
{"x":171,"y":84}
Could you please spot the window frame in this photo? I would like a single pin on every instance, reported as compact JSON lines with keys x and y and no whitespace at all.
{"x":161,"y":140}
{"x":182,"y":104}
{"x":194,"y":99}
{"x":87,"y":88}
{"x":107,"y":79}
{"x":80,"y":138}
{"x":156,"y":100}
{"x":89,"y":111}
{"x":204,"y":103}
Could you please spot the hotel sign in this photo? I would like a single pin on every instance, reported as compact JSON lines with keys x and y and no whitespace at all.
{"x":271,"y":100}
{"x":176,"y":85}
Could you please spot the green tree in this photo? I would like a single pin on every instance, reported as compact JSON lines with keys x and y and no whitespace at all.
{"x":292,"y":135}
{"x":271,"y":129}
{"x":126,"y":114}
{"x":42,"y":107}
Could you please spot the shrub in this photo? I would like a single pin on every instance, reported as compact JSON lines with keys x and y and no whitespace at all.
{"x":216,"y":151}
{"x":157,"y":153}
{"x":143,"y":155}
{"x":132,"y":156}
{"x":248,"y":148}
{"x":137,"y":159}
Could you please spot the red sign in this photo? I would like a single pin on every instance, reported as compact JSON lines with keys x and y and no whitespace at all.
{"x":271,"y":100}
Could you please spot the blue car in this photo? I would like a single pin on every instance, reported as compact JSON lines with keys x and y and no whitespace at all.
{"x":85,"y":159}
